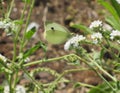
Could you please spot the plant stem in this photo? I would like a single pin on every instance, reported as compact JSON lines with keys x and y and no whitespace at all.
{"x":10,"y":9}
{"x":10,"y":83}
{"x":44,"y":60}
{"x":27,"y":22}
{"x":20,"y":26}
{"x":105,"y":81}
{"x":90,"y":86}
{"x":38,"y":85}
{"x":51,"y":87}
{"x":53,"y":59}
{"x":105,"y":72}
{"x":15,"y":79}
{"x":2,"y":8}
{"x":14,"y":49}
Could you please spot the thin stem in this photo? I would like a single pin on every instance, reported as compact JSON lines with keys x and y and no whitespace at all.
{"x":10,"y":83}
{"x":15,"y":79}
{"x":46,"y":60}
{"x":27,"y":22}
{"x":21,"y":18}
{"x":65,"y":72}
{"x":17,"y":33}
{"x":14,"y":49}
{"x":38,"y":85}
{"x":90,"y":86}
{"x":10,"y":9}
{"x":105,"y":72}
{"x":2,"y":8}
{"x":105,"y":81}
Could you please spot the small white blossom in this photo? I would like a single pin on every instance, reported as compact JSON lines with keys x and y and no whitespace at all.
{"x":3,"y":58}
{"x":96,"y":23}
{"x":8,"y":26}
{"x":74,"y":41}
{"x":6,"y":89}
{"x":96,"y":37}
{"x":33,"y":24}
{"x":118,"y":1}
{"x":67,"y":45}
{"x":2,"y":24}
{"x":27,"y":59}
{"x":20,"y":56}
{"x":118,"y":41}
{"x":19,"y":89}
{"x":114,"y":34}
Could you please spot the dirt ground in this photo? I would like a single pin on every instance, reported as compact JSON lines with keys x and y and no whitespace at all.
{"x":64,"y":12}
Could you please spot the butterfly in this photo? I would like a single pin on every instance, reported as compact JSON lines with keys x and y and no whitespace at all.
{"x":56,"y":33}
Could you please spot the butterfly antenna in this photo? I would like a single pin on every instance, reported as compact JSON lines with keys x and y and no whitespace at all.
{"x":45,"y":14}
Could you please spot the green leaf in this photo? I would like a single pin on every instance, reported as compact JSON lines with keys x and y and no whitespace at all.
{"x":19,"y":22}
{"x":110,"y":8}
{"x":102,"y":52}
{"x":82,"y":27}
{"x":1,"y":89}
{"x":30,"y":33}
{"x":28,"y":1}
{"x":104,"y":88}
{"x":116,"y":6}
{"x":34,"y":49}
{"x":114,"y":23}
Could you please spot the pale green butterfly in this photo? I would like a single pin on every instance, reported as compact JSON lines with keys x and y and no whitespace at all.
{"x":56,"y":33}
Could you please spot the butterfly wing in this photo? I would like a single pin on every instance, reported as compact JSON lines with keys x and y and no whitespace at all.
{"x":56,"y":34}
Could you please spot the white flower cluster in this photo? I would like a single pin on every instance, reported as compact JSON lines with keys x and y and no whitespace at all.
{"x":114,"y":33}
{"x":118,"y":1}
{"x":7,"y":26}
{"x":3,"y":58}
{"x":96,"y":37}
{"x":19,"y":89}
{"x":74,"y":41}
{"x":96,"y":23}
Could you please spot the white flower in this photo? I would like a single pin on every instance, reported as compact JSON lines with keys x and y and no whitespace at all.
{"x":2,"y":24}
{"x":8,"y":26}
{"x":19,"y":89}
{"x":118,"y":41}
{"x":27,"y":59}
{"x":67,"y":45}
{"x":114,"y":34}
{"x":118,"y":1}
{"x":74,"y":41}
{"x":96,"y":23}
{"x":6,"y":89}
{"x":96,"y":37}
{"x":3,"y":58}
{"x":33,"y":24}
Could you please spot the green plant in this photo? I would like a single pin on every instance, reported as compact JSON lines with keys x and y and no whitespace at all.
{"x":96,"y":35}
